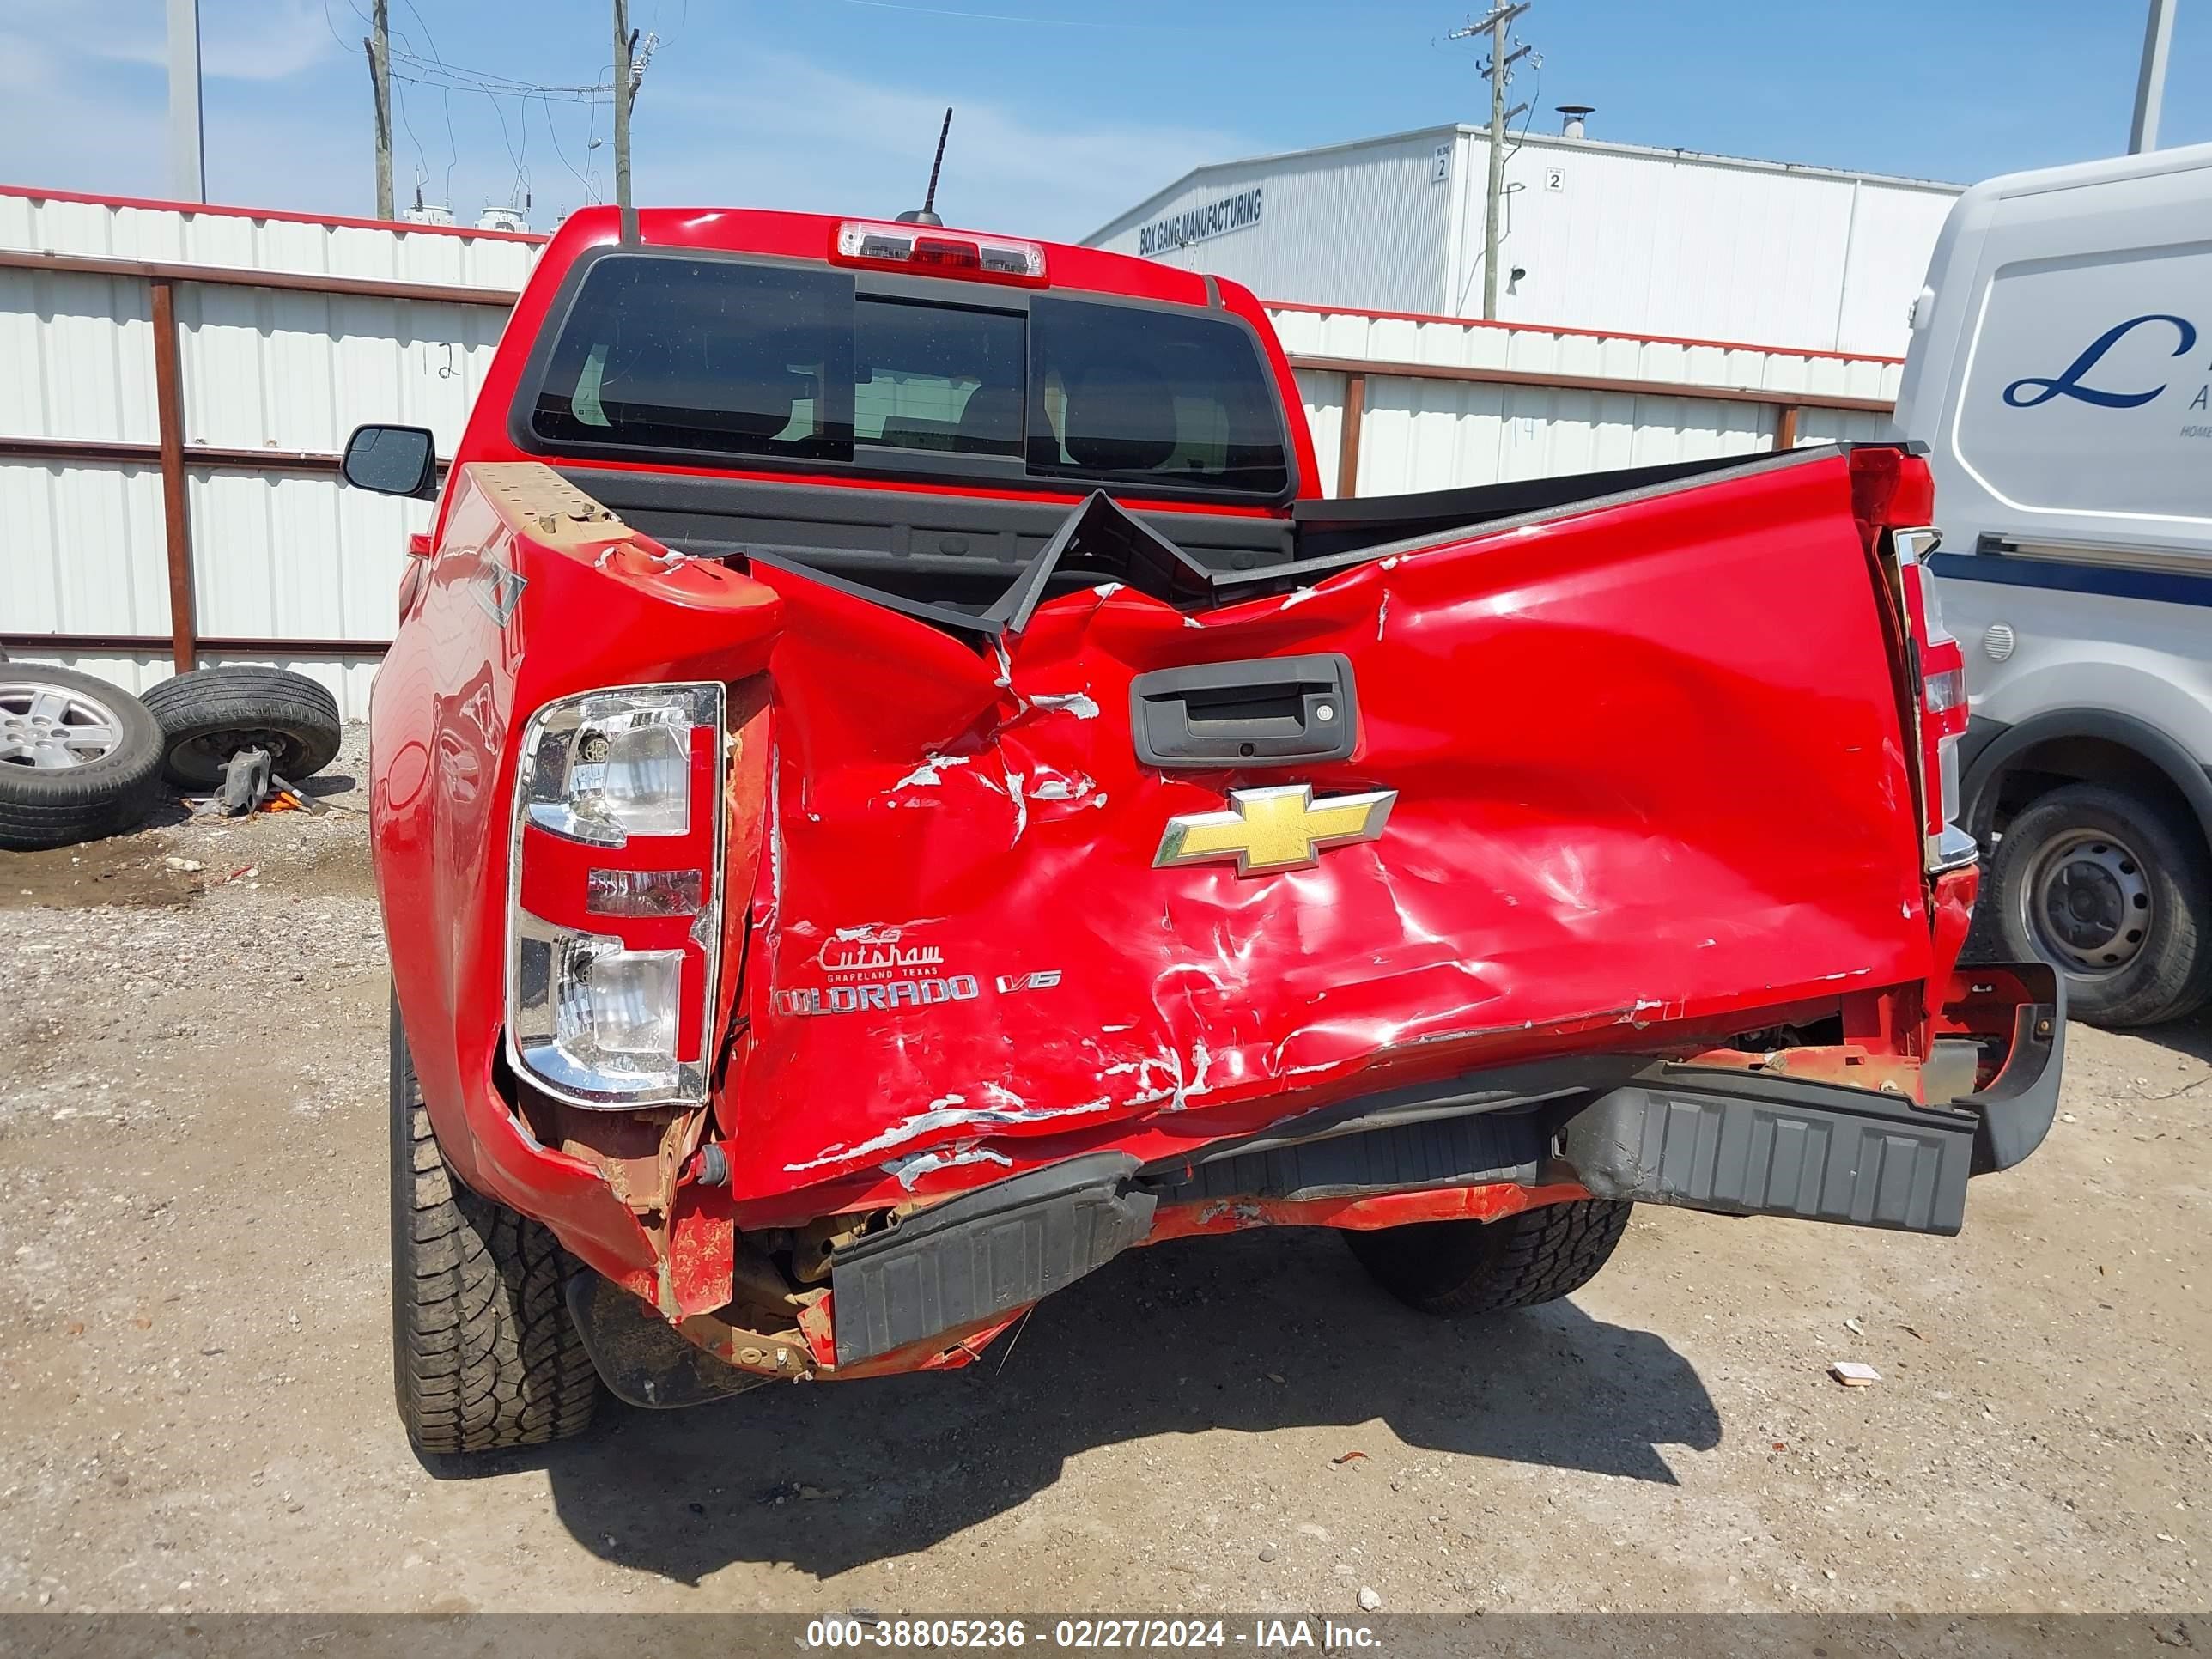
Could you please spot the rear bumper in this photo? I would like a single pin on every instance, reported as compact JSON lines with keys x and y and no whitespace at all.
{"x":1738,"y":1144}
{"x":930,"y":1291}
{"x":1742,"y":1145}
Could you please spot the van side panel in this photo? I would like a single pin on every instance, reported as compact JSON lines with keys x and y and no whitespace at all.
{"x":2062,"y":378}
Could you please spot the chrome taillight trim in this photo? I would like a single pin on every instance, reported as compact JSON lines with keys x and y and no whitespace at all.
{"x":693,"y":1076}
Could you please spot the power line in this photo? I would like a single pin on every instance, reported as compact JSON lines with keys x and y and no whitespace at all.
{"x":426,"y":72}
{"x":395,"y":62}
{"x":554,"y":134}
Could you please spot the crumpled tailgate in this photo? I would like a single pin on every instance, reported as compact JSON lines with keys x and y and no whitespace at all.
{"x":1647,"y":777}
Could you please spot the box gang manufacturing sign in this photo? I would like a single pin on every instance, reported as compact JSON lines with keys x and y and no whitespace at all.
{"x":1201,"y":222}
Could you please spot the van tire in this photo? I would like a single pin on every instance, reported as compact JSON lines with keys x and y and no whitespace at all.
{"x":1457,"y":1268}
{"x":483,"y":1353}
{"x":2152,"y":861}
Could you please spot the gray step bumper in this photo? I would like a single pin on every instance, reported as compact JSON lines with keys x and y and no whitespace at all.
{"x":1743,"y":1143}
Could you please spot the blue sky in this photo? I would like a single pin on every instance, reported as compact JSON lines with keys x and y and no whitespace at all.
{"x":1067,"y":112}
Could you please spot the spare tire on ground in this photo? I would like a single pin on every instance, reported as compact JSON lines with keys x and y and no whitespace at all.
{"x":210,"y":713}
{"x":78,"y":756}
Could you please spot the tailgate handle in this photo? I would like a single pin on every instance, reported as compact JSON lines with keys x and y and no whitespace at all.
{"x":1270,"y":711}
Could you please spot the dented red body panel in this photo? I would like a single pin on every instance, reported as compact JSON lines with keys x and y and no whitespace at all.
{"x":1582,"y":850}
{"x":1606,"y":838}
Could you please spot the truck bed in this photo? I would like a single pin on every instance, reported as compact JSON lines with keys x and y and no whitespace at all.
{"x":963,"y":551}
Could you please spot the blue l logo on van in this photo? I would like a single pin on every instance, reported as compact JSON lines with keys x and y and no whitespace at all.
{"x":2032,"y":391}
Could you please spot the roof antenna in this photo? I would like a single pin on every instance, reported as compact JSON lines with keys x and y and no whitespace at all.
{"x":927,"y":213}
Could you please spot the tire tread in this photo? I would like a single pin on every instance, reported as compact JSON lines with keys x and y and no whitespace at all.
{"x":485,"y":1355}
{"x":246,"y":698}
{"x":2174,"y":977}
{"x":1459,"y":1268}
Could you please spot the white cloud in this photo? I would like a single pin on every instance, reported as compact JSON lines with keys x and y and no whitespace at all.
{"x":287,"y":124}
{"x":267,"y":40}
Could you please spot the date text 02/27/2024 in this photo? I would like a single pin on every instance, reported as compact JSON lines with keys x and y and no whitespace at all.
{"x":1263,"y":1635}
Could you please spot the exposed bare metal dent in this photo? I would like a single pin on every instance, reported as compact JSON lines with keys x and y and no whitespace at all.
{"x":1298,"y":598}
{"x":1563,"y":1022}
{"x":930,"y":772}
{"x":947,"y":1112}
{"x":1107,"y":590}
{"x":1172,"y":1086}
{"x":1077,"y":703}
{"x":775,"y":855}
{"x":879,"y":932}
{"x":909,"y":1170}
{"x":1382,"y":615}
{"x":1070,"y":786}
{"x":1241,"y":1210}
{"x":1014,"y":794}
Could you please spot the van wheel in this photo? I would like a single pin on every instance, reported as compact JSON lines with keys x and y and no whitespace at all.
{"x":2114,"y":892}
{"x":1457,"y":1267}
{"x":484,"y":1353}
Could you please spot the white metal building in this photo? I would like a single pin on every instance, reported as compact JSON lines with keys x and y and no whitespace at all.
{"x":182,"y":376}
{"x":1616,"y":238}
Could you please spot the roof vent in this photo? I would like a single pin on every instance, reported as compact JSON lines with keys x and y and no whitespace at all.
{"x":1572,"y":118}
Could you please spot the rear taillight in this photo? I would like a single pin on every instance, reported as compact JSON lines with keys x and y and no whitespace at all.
{"x":1939,"y":688}
{"x":614,"y":896}
{"x":937,"y":252}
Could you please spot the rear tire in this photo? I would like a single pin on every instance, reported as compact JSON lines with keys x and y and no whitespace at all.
{"x":210,"y":713}
{"x":483,"y":1353}
{"x":1460,"y":1268}
{"x":2075,"y":872}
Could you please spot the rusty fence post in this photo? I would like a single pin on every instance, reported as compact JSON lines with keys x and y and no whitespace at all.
{"x":1348,"y":439}
{"x":176,"y":515}
{"x":1785,"y":427}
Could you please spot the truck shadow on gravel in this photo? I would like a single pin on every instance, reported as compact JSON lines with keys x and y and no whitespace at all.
{"x":1180,"y":1338}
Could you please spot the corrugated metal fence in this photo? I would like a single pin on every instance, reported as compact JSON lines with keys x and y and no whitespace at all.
{"x":180,"y":381}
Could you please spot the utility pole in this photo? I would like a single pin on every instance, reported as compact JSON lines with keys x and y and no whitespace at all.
{"x":2150,"y":83}
{"x":187,"y":148}
{"x":625,"y":44}
{"x":1500,"y":70}
{"x":379,"y":80}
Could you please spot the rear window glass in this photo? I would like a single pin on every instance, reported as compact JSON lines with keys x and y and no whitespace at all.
{"x":932,"y":377}
{"x":1129,"y":392}
{"x":714,"y":356}
{"x":678,"y":355}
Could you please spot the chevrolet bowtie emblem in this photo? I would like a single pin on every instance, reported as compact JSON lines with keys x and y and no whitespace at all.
{"x":1280,"y":828}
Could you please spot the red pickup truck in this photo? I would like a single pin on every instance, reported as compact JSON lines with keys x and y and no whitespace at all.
{"x":893,"y":786}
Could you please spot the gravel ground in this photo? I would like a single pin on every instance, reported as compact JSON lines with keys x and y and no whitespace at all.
{"x":194,"y":1376}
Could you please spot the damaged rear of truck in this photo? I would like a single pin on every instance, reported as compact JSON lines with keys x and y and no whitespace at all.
{"x":892,"y":787}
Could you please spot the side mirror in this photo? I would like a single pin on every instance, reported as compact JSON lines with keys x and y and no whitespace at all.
{"x":392,"y":461}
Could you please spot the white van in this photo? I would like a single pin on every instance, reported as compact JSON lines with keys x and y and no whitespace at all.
{"x":2060,"y":374}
